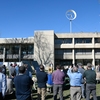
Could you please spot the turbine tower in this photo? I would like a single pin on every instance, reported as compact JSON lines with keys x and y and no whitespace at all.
{"x":71,"y":15}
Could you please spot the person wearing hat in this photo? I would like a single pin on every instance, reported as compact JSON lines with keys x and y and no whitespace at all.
{"x":90,"y":76}
{"x":3,"y":84}
{"x":41,"y":81}
{"x":75,"y":83}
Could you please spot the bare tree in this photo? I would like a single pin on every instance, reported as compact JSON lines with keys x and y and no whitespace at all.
{"x":18,"y":40}
{"x":43,"y":51}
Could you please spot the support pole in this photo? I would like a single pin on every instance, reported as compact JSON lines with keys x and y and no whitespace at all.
{"x":70,"y":26}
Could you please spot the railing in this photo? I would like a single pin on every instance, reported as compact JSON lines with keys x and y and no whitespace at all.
{"x":16,"y":56}
{"x":27,"y":56}
{"x":12,"y":56}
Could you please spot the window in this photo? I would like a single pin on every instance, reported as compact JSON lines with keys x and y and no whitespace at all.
{"x":27,"y":49}
{"x":83,"y":40}
{"x":67,"y":51}
{"x":63,"y":41}
{"x":83,"y":61}
{"x":67,"y":40}
{"x":15,"y":49}
{"x":97,"y":40}
{"x":30,"y":49}
{"x":8,"y":50}
{"x":97,"y":50}
{"x":58,"y":52}
{"x":58,"y":41}
{"x":63,"y":51}
{"x":12,"y":49}
{"x":83,"y":51}
{"x":64,"y":62}
{"x":24,"y":49}
{"x":1,"y":49}
{"x":97,"y":61}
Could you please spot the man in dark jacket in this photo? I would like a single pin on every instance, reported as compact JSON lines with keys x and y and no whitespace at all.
{"x":41,"y":80}
{"x":90,"y":77}
{"x":23,"y":85}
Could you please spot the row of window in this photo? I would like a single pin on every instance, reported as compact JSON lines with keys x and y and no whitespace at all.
{"x":77,"y":51}
{"x":83,"y":61}
{"x":77,"y":40}
{"x":14,"y":49}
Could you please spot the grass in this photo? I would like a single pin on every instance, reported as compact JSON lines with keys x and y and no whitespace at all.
{"x":66,"y":94}
{"x":49,"y":96}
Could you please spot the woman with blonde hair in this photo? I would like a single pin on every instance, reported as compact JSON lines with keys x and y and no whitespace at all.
{"x":49,"y":81}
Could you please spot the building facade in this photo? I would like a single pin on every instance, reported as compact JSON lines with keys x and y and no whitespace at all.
{"x":16,"y":49}
{"x":71,"y":48}
{"x":48,"y":47}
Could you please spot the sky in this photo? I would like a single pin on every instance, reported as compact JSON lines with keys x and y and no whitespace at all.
{"x":20,"y":18}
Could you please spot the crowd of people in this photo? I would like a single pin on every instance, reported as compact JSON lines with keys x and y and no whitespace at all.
{"x":82,"y":82}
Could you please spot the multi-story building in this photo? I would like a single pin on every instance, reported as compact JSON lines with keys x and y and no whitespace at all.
{"x":48,"y":47}
{"x":77,"y":47}
{"x":16,"y":49}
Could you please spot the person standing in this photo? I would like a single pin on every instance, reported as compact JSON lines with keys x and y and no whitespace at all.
{"x":58,"y":78}
{"x":81,"y":70}
{"x":9,"y":89}
{"x":90,"y":77}
{"x":23,"y":85}
{"x":41,"y":80}
{"x":98,"y":68}
{"x":49,"y":82}
{"x":28,"y":72}
{"x":12,"y":70}
{"x":75,"y":83}
{"x":3,"y":84}
{"x":17,"y":69}
{"x":98,"y":73}
{"x":4,"y":69}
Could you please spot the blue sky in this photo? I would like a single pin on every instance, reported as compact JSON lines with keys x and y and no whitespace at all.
{"x":20,"y":18}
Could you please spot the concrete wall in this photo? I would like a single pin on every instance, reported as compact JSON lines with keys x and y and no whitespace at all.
{"x":44,"y":47}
